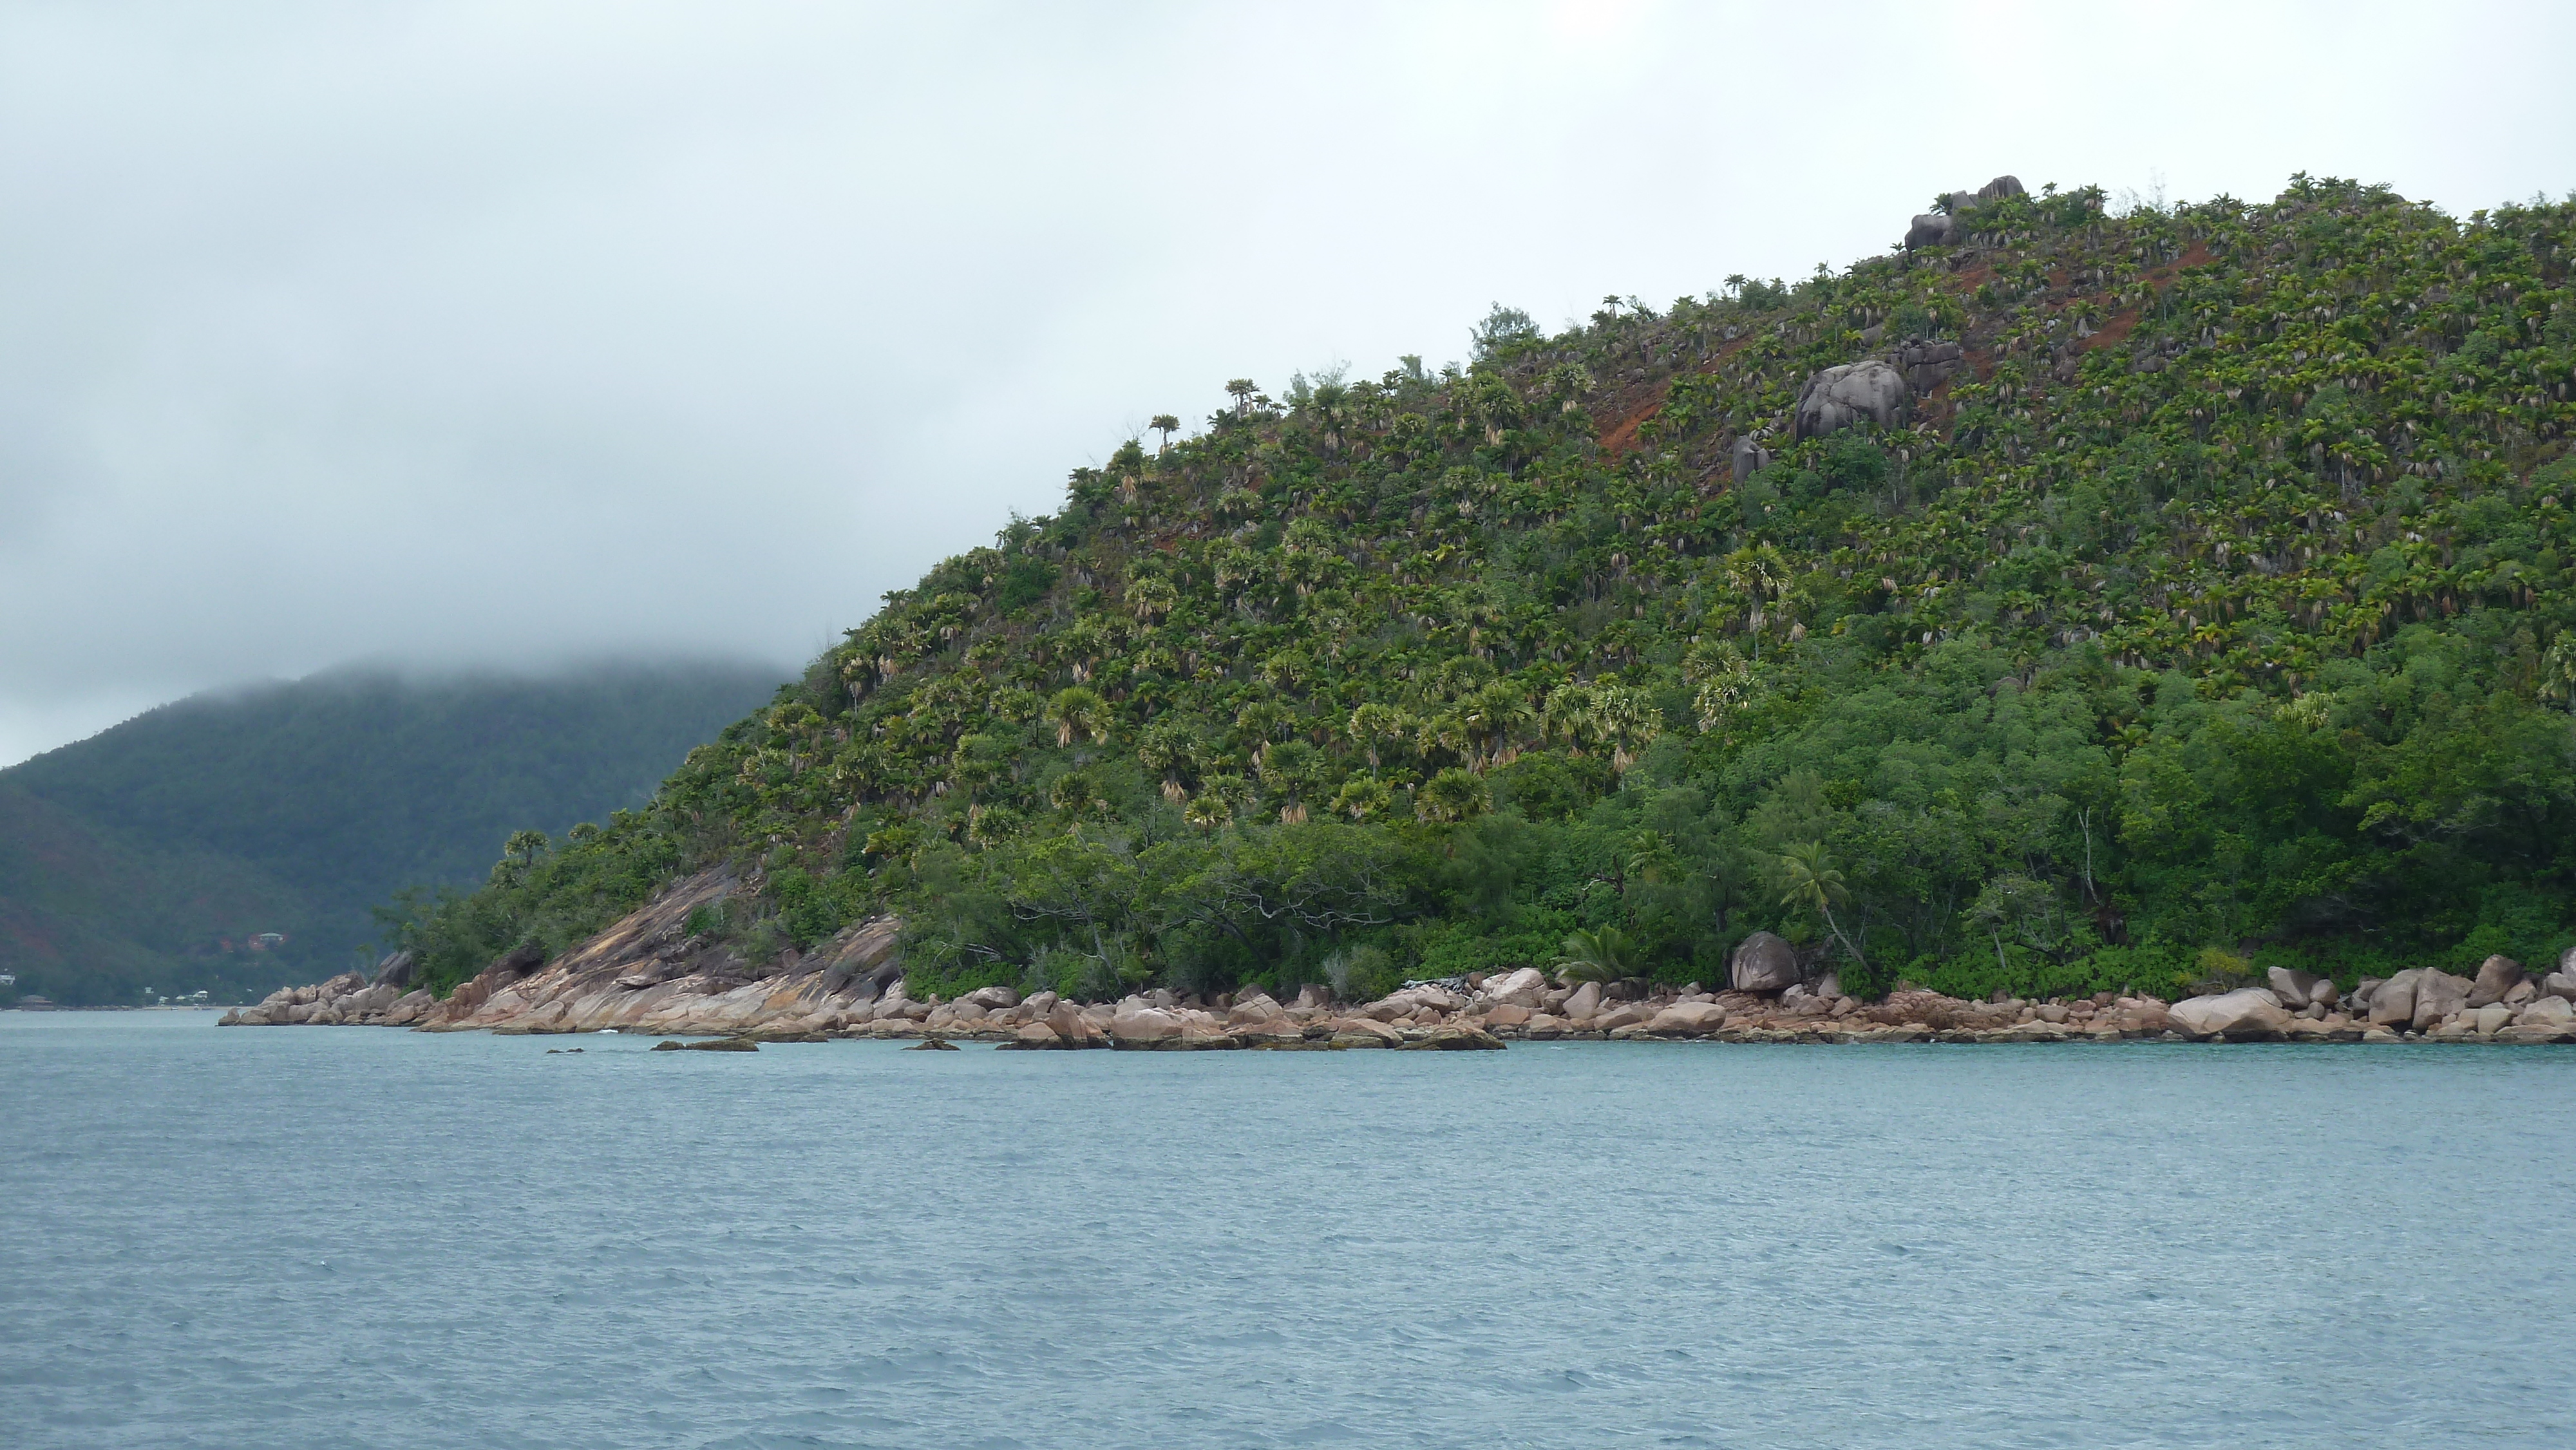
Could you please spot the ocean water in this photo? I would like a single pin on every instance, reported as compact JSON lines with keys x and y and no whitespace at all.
{"x":250,"y":1238}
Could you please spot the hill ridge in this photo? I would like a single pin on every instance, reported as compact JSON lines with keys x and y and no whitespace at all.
{"x":152,"y":854}
{"x":2098,"y":602}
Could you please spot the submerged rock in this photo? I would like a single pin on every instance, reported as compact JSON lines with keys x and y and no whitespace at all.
{"x":713,"y":1044}
{"x":1457,"y":1038}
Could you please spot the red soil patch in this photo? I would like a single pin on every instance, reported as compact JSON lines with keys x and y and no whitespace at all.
{"x":2112,"y":331}
{"x":1621,"y":436}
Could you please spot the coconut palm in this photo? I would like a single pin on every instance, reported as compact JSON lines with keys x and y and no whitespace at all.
{"x":1816,"y":885}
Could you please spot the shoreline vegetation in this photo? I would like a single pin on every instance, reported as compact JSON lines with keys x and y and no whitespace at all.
{"x":649,"y":974}
{"x":2159,"y":602}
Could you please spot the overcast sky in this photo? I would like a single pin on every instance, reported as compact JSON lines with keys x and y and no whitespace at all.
{"x":509,"y":333}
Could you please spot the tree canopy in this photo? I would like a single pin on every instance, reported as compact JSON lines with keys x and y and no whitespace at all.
{"x":2215,"y":597}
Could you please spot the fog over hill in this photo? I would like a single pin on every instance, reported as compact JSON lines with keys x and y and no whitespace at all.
{"x":159,"y":852}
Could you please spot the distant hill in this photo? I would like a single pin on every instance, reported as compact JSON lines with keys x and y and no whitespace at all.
{"x":154,"y":853}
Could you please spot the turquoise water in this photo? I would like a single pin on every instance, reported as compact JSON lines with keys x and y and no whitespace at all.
{"x":249,"y":1237}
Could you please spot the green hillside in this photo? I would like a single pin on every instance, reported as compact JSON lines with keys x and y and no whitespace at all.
{"x":2209,"y":611}
{"x":151,"y":854}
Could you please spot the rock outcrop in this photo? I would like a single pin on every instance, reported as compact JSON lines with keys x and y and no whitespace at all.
{"x":2298,"y":989}
{"x":1927,"y":365}
{"x":1747,"y":459}
{"x":2496,"y":976}
{"x":2245,"y":1012}
{"x":1763,"y":963}
{"x":648,"y":974}
{"x":1869,"y":390}
{"x":1930,"y":229}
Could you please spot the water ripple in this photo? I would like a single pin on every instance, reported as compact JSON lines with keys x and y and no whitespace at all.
{"x":315,"y":1238}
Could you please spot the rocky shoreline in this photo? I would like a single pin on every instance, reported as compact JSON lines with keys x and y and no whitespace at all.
{"x":647,"y":974}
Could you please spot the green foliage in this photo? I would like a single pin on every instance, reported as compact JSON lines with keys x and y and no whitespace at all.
{"x":2219,"y":600}
{"x":133,"y":858}
{"x":1603,"y":955}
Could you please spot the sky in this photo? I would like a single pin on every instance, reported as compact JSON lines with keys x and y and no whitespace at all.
{"x":504,"y":335}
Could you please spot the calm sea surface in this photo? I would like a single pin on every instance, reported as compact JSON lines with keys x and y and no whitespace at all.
{"x":362,"y":1237}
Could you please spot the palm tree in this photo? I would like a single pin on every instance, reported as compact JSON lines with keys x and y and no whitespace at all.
{"x":1363,"y":797}
{"x":1572,"y":715}
{"x":1374,"y":725}
{"x":1596,"y":956}
{"x":1816,"y":885}
{"x":1167,"y":425}
{"x":1240,"y":389}
{"x":1152,"y":597}
{"x":1626,"y":721}
{"x":1078,"y":711}
{"x":1493,"y":714}
{"x":1451,"y":796}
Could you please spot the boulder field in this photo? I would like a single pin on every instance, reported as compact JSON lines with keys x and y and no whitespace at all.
{"x":648,"y":974}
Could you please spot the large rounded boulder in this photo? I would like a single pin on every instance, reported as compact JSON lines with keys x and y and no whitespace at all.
{"x":1870,"y":390}
{"x":2496,"y":976}
{"x":1930,"y":229}
{"x":2243,"y":1013}
{"x":1763,"y":963}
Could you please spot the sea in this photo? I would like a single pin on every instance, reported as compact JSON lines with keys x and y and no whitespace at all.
{"x":347,"y":1237}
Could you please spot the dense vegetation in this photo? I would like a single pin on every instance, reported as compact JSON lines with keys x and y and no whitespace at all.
{"x":150,"y":854}
{"x":2215,"y":613}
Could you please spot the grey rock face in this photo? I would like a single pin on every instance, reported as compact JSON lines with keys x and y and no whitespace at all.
{"x":1749,"y":458}
{"x":1927,"y":365}
{"x":1763,"y":963}
{"x":1838,"y":397}
{"x":1930,"y":229}
{"x":864,"y":957}
{"x":1999,"y":188}
{"x":395,"y":971}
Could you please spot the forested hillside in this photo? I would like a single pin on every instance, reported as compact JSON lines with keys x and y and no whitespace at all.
{"x":151,"y":854}
{"x":2183,"y":591}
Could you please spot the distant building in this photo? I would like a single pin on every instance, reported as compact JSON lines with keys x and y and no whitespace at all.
{"x":8,"y":979}
{"x":35,"y":1004}
{"x":268,"y":941}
